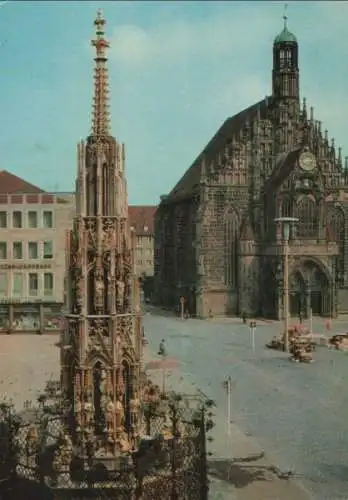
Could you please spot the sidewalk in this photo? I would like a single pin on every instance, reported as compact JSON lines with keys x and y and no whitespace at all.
{"x":239,"y":469}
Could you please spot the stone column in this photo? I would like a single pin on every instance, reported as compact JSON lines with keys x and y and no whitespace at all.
{"x":41,"y":309}
{"x":308,"y":300}
{"x":10,"y":318}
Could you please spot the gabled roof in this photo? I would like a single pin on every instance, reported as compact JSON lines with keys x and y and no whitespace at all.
{"x":141,"y":217}
{"x":230,"y":127}
{"x":11,"y":184}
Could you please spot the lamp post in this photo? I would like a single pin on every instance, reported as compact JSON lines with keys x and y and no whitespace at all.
{"x":286,"y":224}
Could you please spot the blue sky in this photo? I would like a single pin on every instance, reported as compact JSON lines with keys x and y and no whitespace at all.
{"x":177,"y":71}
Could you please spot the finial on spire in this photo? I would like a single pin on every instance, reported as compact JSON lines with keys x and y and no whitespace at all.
{"x":100,"y":121}
{"x":285,"y":17}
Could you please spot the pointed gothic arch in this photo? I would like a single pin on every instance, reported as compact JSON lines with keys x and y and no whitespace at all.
{"x":231,"y":232}
{"x":308,"y":217}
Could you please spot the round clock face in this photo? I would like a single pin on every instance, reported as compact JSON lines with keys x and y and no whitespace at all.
{"x":307,"y":161}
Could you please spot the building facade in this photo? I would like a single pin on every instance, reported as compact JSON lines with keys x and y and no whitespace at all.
{"x":32,"y":256}
{"x":141,"y":220}
{"x":217,"y":244}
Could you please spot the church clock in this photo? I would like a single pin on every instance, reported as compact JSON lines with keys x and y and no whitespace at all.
{"x":307,"y":161}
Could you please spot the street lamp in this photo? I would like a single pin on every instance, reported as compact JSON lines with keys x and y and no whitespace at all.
{"x":286,"y":223}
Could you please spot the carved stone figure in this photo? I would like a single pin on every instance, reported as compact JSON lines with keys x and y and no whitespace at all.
{"x":87,"y":409}
{"x":123,"y":442}
{"x":110,"y":414}
{"x":32,"y":439}
{"x":120,"y":294}
{"x":134,"y":406}
{"x":77,"y":412}
{"x":99,"y":288}
{"x":119,"y":415}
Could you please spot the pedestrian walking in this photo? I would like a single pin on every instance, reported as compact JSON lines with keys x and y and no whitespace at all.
{"x":161,"y":348}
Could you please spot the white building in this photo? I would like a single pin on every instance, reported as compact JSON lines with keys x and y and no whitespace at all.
{"x":33,"y":228}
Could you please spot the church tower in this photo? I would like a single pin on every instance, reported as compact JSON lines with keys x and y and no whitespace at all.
{"x":285,"y":65}
{"x":285,"y":90}
{"x":101,"y":348}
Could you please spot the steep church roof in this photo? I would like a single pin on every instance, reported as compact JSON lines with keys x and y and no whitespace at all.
{"x":231,"y":126}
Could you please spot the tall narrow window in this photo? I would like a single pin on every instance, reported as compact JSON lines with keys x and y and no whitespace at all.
{"x":336,"y":221}
{"x":231,"y":249}
{"x":17,"y":219}
{"x":47,"y":219}
{"x":3,"y":284}
{"x":32,"y":219}
{"x":17,"y":250}
{"x":33,"y":252}
{"x":307,"y":213}
{"x":33,"y":284}
{"x":48,"y":284}
{"x":286,"y":207}
{"x":48,"y":250}
{"x":3,"y":219}
{"x":3,"y":250}
{"x":17,"y":284}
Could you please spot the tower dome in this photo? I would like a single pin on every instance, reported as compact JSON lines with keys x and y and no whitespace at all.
{"x":285,"y":37}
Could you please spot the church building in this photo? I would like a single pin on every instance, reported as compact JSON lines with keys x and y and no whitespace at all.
{"x":218,"y":248}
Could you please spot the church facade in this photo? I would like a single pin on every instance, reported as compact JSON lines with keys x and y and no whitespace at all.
{"x":217,"y":245}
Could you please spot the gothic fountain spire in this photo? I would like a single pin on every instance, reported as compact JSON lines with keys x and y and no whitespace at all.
{"x":100,"y":111}
{"x":100,"y":367}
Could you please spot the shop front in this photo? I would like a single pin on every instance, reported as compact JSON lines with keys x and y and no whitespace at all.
{"x":37,"y":318}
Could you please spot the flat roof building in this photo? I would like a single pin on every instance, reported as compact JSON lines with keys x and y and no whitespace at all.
{"x":33,"y":226}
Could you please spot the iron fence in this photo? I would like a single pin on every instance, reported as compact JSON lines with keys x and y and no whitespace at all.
{"x":38,"y":459}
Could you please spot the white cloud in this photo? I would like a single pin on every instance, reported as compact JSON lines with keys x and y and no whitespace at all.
{"x":131,"y":44}
{"x":241,"y":93}
{"x":134,"y":46}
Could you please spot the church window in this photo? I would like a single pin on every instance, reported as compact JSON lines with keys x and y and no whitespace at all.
{"x":231,"y":249}
{"x":286,"y":207}
{"x":281,"y":58}
{"x":307,"y":213}
{"x":336,"y":222}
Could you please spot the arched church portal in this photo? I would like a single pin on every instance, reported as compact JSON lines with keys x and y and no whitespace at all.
{"x":310,"y":289}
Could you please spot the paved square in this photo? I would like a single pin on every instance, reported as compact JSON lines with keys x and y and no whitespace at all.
{"x":297,"y":413}
{"x":27,"y":362}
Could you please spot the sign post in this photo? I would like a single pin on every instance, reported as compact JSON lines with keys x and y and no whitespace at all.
{"x":311,"y":323}
{"x":227,"y":384}
{"x":182,"y":303}
{"x":252,"y":328}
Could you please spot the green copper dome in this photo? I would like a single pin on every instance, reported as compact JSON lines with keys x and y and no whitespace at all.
{"x":285,"y":36}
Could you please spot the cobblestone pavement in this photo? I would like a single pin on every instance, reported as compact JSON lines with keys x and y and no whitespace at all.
{"x":27,"y":362}
{"x":295,"y":412}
